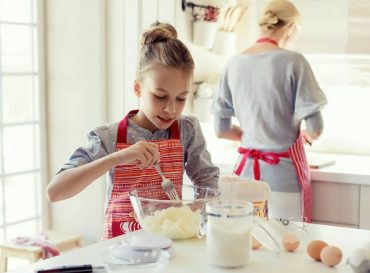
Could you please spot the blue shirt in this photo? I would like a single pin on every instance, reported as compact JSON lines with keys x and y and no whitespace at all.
{"x":269,"y":93}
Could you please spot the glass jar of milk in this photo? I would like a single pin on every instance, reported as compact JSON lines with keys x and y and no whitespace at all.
{"x":229,"y":226}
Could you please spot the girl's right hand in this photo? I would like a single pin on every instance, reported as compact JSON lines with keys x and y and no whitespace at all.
{"x":142,"y":153}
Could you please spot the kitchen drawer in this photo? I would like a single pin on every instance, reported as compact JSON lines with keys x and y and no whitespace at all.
{"x":365,"y":207}
{"x":336,"y":203}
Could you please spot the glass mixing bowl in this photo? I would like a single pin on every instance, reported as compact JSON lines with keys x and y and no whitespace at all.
{"x":175,"y":219}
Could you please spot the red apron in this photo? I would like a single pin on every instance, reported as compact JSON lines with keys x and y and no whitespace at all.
{"x":298,"y":156}
{"x":119,"y":216}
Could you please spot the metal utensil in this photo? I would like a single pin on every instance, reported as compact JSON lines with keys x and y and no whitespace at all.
{"x":167,"y":185}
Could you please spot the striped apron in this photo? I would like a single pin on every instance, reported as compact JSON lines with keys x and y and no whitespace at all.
{"x":119,"y":216}
{"x":298,"y":156}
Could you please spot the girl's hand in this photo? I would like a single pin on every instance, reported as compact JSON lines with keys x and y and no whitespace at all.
{"x":142,"y":153}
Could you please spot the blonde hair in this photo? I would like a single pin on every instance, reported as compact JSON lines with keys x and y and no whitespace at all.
{"x":279,"y":13}
{"x":161,"y":48}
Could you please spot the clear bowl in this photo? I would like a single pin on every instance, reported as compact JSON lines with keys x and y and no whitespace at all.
{"x":158,"y":263}
{"x":175,"y":219}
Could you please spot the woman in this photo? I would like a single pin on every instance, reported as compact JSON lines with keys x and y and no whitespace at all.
{"x":271,"y":90}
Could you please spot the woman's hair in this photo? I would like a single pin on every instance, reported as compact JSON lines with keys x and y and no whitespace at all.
{"x":161,"y":48}
{"x":278,"y":13}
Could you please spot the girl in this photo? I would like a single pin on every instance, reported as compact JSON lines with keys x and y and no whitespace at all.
{"x":270,"y":90}
{"x":155,"y":133}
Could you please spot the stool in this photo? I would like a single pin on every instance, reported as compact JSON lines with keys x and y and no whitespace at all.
{"x":34,"y":253}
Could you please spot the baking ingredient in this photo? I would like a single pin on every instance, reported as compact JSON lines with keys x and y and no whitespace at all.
{"x":255,"y":243}
{"x":173,"y":222}
{"x":228,"y":243}
{"x":359,"y":260}
{"x":314,"y":249}
{"x":331,"y":255}
{"x":290,"y":242}
{"x":241,"y":188}
{"x":358,"y":256}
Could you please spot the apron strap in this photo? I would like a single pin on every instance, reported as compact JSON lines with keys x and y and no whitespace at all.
{"x":268,"y":157}
{"x":122,"y":128}
{"x":298,"y":156}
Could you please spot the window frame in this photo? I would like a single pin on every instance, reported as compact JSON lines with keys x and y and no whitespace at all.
{"x":36,"y":24}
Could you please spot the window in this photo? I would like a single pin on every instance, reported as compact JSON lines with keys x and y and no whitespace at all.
{"x":20,"y":126}
{"x":345,"y":80}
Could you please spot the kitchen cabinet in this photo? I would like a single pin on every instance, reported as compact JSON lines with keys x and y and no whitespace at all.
{"x":341,"y":204}
{"x":341,"y":191}
{"x":336,"y":203}
{"x":365,"y":207}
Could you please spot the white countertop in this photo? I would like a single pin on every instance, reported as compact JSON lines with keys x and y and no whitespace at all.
{"x":191,"y":254}
{"x":351,"y":169}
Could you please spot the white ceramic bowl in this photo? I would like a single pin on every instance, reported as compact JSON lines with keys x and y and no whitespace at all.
{"x":123,"y":259}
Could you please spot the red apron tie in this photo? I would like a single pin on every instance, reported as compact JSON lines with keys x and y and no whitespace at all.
{"x":268,"y":157}
{"x":297,"y":154}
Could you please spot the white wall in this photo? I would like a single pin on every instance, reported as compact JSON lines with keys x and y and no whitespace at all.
{"x":92,"y":48}
{"x":76,"y":101}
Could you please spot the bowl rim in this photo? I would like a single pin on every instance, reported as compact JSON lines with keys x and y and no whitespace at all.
{"x":105,"y":255}
{"x":217,"y":191}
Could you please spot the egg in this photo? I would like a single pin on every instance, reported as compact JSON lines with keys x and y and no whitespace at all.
{"x":290,"y":242}
{"x":255,"y":243}
{"x":331,"y":255}
{"x":314,"y":249}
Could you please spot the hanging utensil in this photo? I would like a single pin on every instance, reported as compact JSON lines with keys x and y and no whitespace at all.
{"x":235,"y":17}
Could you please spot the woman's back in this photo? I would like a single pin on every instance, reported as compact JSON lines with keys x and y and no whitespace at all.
{"x":263,"y":92}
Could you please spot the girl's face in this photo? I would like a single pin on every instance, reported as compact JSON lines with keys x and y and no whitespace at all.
{"x":163,"y":94}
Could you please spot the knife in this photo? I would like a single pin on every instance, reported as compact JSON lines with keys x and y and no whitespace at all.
{"x":86,"y":268}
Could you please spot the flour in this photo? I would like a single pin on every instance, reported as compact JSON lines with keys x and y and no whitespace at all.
{"x":173,"y":222}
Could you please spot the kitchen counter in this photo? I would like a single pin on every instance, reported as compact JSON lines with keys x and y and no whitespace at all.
{"x":191,"y":254}
{"x":340,"y":190}
{"x":351,"y":169}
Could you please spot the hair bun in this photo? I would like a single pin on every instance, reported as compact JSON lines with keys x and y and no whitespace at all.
{"x":158,"y":32}
{"x":269,"y":18}
{"x":277,"y":14}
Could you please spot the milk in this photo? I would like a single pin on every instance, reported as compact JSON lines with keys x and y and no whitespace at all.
{"x":229,"y":239}
{"x":228,"y":245}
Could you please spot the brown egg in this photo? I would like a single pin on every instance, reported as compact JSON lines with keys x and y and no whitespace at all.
{"x":290,"y":242}
{"x":314,"y":249}
{"x":331,"y":255}
{"x":255,"y":243}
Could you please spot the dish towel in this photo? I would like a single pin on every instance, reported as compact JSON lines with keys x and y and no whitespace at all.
{"x":40,"y":240}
